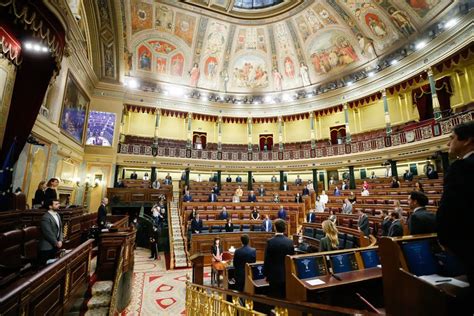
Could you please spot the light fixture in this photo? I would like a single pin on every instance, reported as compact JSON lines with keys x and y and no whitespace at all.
{"x":450,"y":23}
{"x":176,"y":91}
{"x":131,"y":83}
{"x":371,"y":74}
{"x":394,"y":62}
{"x":286,"y":97}
{"x":350,"y":83}
{"x":268,"y":99}
{"x":35,"y":47}
{"x":420,"y":45}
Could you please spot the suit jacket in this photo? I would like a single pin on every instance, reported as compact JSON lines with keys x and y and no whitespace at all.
{"x":305,"y":191}
{"x":50,"y":194}
{"x":298,"y":181}
{"x":396,"y":229}
{"x":212,"y":197}
{"x":223,"y":215}
{"x":243,"y":255}
{"x":386,"y":224}
{"x":311,"y":218}
{"x":325,"y":244}
{"x":274,"y":263}
{"x":196,"y":225}
{"x":187,"y":198}
{"x":228,"y":179}
{"x":214,"y":250}
{"x":363,"y":224}
{"x":216,"y":190}
{"x":455,"y":213}
{"x":285,"y":187}
{"x":298,"y":199}
{"x":264,"y":225}
{"x":422,"y":222}
{"x":408,"y":176}
{"x":50,"y":232}
{"x":252,"y":198}
{"x":238,"y":179}
{"x":229,"y":227}
{"x":261,"y":192}
{"x":101,"y":215}
{"x":282,"y":214}
{"x":39,"y":197}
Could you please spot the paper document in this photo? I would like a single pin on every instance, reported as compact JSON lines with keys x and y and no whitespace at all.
{"x":437,"y":279}
{"x":315,"y":282}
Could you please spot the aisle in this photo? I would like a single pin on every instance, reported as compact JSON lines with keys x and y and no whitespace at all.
{"x":157,"y":291}
{"x":179,"y":258}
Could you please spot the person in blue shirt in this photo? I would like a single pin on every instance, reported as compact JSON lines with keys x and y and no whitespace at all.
{"x":223,"y":214}
{"x":238,"y":179}
{"x":282,"y":213}
{"x":267,"y":224}
{"x":252,"y":197}
{"x":187,"y":197}
{"x":337,"y":192}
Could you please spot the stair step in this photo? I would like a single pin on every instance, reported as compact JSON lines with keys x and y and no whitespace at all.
{"x":97,"y":302}
{"x":104,"y":311}
{"x":102,"y":287}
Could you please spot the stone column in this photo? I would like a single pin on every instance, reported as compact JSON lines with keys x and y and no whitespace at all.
{"x":281,"y":179}
{"x":388,"y":123}
{"x":393,"y":166}
{"x":434,"y":96}
{"x":249,"y":181}
{"x":346,"y":118}
{"x":315,"y":181}
{"x":280,"y":133}
{"x":352,"y":181}
{"x":312,"y":129}
{"x":249,"y":134}
{"x":219,"y":184}
{"x":189,"y":136}
{"x":219,"y":133}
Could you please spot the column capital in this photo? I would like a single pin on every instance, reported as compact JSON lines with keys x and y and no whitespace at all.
{"x":345,"y":104}
{"x":430,"y":71}
{"x":280,"y":118}
{"x":384,"y":93}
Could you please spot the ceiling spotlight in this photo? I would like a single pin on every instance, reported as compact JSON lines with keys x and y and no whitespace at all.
{"x":371,"y":74}
{"x":394,"y":62}
{"x":350,"y":83}
{"x":133,"y":84}
{"x":286,"y":97}
{"x":37,"y":47}
{"x":239,"y":102}
{"x":450,"y":23}
{"x":268,"y":99}
{"x":44,"y":49}
{"x":28,"y":46}
{"x":256,"y":102}
{"x":420,"y":45}
{"x":176,"y":91}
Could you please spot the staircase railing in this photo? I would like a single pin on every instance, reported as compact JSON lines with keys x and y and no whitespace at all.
{"x":113,"y":301}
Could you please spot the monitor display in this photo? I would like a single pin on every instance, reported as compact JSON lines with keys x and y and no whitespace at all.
{"x":310,"y":267}
{"x":449,"y":265}
{"x":370,"y":258}
{"x":257,"y":272}
{"x":100,"y":128}
{"x":420,"y":258}
{"x":344,"y":262}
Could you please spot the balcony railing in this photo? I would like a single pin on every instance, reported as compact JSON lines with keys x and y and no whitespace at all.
{"x":409,"y":134}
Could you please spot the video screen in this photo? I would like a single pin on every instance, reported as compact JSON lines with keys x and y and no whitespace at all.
{"x":257,"y":271}
{"x":100,"y":128}
{"x":370,"y":258}
{"x":344,"y":262}
{"x":420,"y":257}
{"x":310,"y":267}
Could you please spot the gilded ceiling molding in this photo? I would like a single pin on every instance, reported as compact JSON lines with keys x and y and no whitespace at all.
{"x":10,"y":47}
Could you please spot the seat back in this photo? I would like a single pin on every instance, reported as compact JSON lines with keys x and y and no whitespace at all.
{"x":10,"y":249}
{"x":31,"y":236}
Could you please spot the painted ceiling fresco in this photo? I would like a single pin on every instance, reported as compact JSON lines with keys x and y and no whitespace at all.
{"x":324,"y":40}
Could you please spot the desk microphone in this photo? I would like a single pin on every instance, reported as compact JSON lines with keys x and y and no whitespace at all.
{"x":336,"y":277}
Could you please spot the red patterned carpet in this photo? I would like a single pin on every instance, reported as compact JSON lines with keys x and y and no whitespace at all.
{"x":157,"y":291}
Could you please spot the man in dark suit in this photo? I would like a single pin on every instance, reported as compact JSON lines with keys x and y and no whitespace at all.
{"x":363,"y":223}
{"x":238,"y":179}
{"x":196,"y":225}
{"x":261,"y":190}
{"x":456,"y":209}
{"x":229,"y":226}
{"x":431,"y":173}
{"x":187,"y":197}
{"x":243,"y":255}
{"x":396,"y":228}
{"x":408,"y":175}
{"x":223,"y":215}
{"x":298,"y":180}
{"x":311,"y":217}
{"x":305,"y":191}
{"x":216,"y":190}
{"x":298,"y":198}
{"x":420,"y":221}
{"x":282,"y":213}
{"x":51,"y":232}
{"x":267,"y":224}
{"x":134,"y":175}
{"x":285,"y":186}
{"x":252,"y":197}
{"x":277,"y":249}
{"x":212,"y":197}
{"x":228,"y":179}
{"x":102,"y":213}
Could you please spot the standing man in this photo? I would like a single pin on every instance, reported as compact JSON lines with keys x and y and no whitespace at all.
{"x":267,"y":224}
{"x":102,"y":213}
{"x":455,"y":214}
{"x":51,"y":232}
{"x":212,"y":197}
{"x":228,"y":179}
{"x":363,"y":223}
{"x":154,"y":243}
{"x":282,"y":213}
{"x":277,"y":249}
{"x":261,"y":190}
{"x":420,"y":221}
{"x":251,"y":197}
{"x":243,"y":255}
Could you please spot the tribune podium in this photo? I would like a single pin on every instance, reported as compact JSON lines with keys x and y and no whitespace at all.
{"x":197,"y":261}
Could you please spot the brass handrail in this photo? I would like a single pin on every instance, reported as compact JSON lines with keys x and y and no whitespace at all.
{"x":206,"y":300}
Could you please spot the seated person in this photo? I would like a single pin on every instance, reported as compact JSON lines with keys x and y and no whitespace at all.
{"x":146,"y":176}
{"x":243,"y":255}
{"x":408,"y":175}
{"x":235,"y":198}
{"x":305,"y":191}
{"x":345,"y":185}
{"x":364,"y":192}
{"x":196,"y":225}
{"x":298,"y":180}
{"x":396,"y":228}
{"x":298,"y":198}
{"x":187,"y":197}
{"x":285,"y":186}
{"x":311,"y":217}
{"x":282,"y":213}
{"x":212,"y":197}
{"x":372,"y":175}
{"x":156,"y":184}
{"x":395,"y":183}
{"x":223,"y":214}
{"x":276,"y":198}
{"x":239,"y":192}
{"x":319,"y":205}
{"x":192,"y":215}
{"x":337,"y":192}
{"x":352,"y":198}
{"x":310,"y":186}
{"x":228,"y":179}
{"x":431,"y":173}
{"x":330,"y":241}
{"x":229,"y":226}
{"x":216,"y":190}
{"x":418,"y":187}
{"x":261,"y":190}
{"x":255,"y":215}
{"x":252,"y":197}
{"x":216,"y":250}
{"x":238,"y":179}
{"x":324,"y":198}
{"x":365,"y":185}
{"x":274,"y":179}
{"x":347,"y":207}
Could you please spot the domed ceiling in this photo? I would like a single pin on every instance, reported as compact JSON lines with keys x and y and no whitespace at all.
{"x":199,"y":44}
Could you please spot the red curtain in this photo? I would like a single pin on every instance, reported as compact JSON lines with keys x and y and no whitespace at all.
{"x":202,"y":136}
{"x":424,"y":102}
{"x":337,"y":132}
{"x":266,"y":139}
